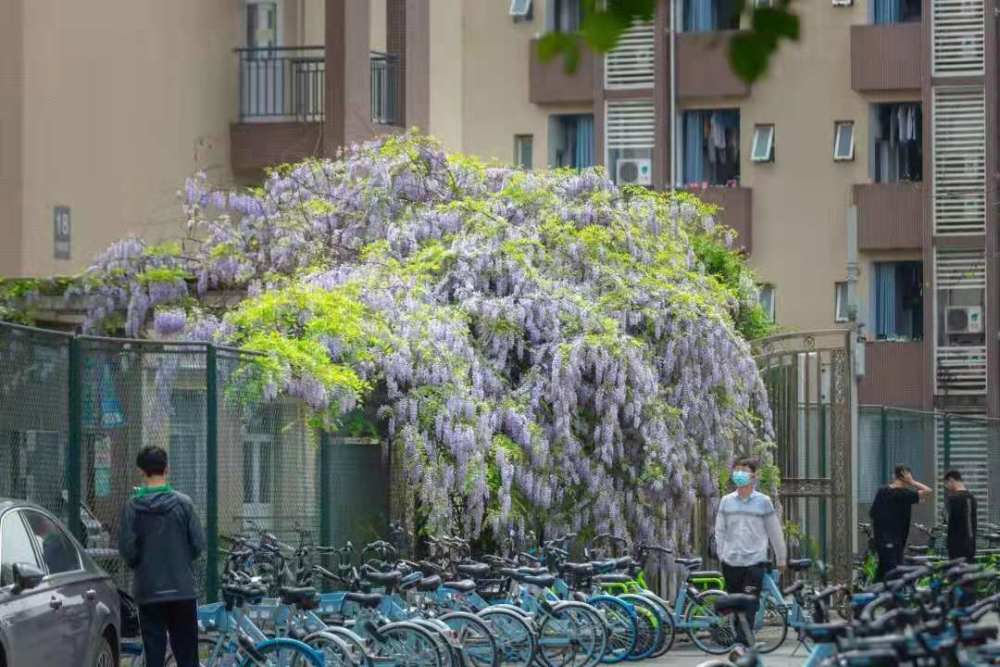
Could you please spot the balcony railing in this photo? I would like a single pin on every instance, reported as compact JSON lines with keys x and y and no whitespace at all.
{"x":385,"y":89}
{"x":282,"y":83}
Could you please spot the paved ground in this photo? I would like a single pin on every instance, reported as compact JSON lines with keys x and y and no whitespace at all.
{"x":685,"y":657}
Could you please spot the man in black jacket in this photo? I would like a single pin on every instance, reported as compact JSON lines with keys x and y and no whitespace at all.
{"x":160,"y":538}
{"x":961,"y":506}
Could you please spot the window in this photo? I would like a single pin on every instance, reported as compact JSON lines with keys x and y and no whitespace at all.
{"x":843,"y":140}
{"x":711,"y":147}
{"x":897,"y":148}
{"x":523,"y":144}
{"x":58,"y":551}
{"x":763,"y":144}
{"x":766,"y":300}
{"x":564,"y":15}
{"x":840,"y":311}
{"x":15,"y":547}
{"x":258,"y":470}
{"x":763,"y":3}
{"x":571,"y":141}
{"x":521,"y":9}
{"x":710,"y":15}
{"x":898,"y":300}
{"x":895,"y":11}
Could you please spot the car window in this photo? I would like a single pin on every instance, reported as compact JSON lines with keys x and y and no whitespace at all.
{"x":15,"y":547}
{"x":58,"y":551}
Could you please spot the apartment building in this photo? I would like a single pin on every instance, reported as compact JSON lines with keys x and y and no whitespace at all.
{"x":882,"y":110}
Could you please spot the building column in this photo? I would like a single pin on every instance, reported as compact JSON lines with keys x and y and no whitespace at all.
{"x":348,"y":75}
{"x":662,"y":164}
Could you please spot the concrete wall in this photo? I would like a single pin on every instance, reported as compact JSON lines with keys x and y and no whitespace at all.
{"x":11,"y":128}
{"x":800,"y":201}
{"x":446,"y":72}
{"x":121,"y":101}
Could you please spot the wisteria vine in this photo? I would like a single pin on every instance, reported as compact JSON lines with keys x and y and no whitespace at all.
{"x":544,"y":348}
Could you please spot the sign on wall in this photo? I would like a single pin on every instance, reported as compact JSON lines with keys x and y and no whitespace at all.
{"x":61,"y":232}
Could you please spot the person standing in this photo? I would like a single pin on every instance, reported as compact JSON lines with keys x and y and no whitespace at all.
{"x":745,"y":524}
{"x":890,"y":514}
{"x":961,"y":508}
{"x":159,"y":538}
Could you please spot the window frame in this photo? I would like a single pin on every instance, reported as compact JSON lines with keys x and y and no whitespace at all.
{"x":14,"y":514}
{"x":526,"y":15}
{"x":758,"y":130}
{"x":840,"y":300}
{"x":518,"y":144}
{"x":838,"y":125}
{"x":39,"y":555}
{"x":769,"y":310}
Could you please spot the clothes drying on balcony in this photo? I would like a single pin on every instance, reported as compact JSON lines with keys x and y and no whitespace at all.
{"x":897,"y":133}
{"x":711,"y":146}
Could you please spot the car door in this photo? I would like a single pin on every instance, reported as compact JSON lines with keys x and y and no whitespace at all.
{"x":73,"y":587}
{"x":29,"y":618}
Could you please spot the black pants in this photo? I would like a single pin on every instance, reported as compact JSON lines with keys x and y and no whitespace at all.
{"x":962,"y":549}
{"x":747,"y":580}
{"x":890,"y":556}
{"x":179,"y":619}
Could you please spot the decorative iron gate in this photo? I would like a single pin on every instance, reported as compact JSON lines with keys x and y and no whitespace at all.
{"x":810,"y":387}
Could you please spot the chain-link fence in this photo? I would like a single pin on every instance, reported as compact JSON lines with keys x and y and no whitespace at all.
{"x":75,"y":411}
{"x":931,"y":444}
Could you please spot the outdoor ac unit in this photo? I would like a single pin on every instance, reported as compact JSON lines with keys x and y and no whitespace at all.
{"x":634,"y":171}
{"x":963,"y":319}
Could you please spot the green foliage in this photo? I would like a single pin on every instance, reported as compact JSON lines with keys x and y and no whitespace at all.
{"x":604,"y":23}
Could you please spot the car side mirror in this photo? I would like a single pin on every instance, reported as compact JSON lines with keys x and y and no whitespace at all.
{"x":26,"y":577}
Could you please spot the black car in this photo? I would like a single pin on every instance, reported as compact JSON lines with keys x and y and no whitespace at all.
{"x":57,"y":607}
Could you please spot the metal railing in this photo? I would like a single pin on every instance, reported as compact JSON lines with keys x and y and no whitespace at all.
{"x":282,"y":83}
{"x":385,"y":88}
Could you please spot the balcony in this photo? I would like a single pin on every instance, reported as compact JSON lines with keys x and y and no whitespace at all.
{"x":281,"y":107}
{"x":890,"y":216}
{"x":896,"y":374}
{"x":886,"y":57}
{"x":385,"y":98}
{"x":548,"y":83}
{"x":736,"y":206}
{"x":703,"y":69}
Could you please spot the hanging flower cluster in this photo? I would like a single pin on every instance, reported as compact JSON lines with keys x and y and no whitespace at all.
{"x":544,"y":348}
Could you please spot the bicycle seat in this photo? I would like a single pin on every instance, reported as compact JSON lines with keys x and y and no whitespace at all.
{"x":623,"y":562}
{"x":543,"y":580}
{"x":800,"y":565}
{"x":538,"y":571}
{"x":979,"y":635}
{"x":689,"y":562}
{"x":705,"y":574}
{"x":579,"y":569}
{"x":737,"y":602}
{"x":386,"y":579}
{"x":474,"y":570}
{"x":429,"y":583}
{"x":463,"y":586}
{"x":794,"y":588}
{"x":826,"y":633}
{"x":613,"y":578}
{"x":369,"y":600}
{"x":918,"y":548}
{"x":300,"y":596}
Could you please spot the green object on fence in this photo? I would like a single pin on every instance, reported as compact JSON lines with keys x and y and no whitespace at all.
{"x":74,"y":444}
{"x":211,"y":475}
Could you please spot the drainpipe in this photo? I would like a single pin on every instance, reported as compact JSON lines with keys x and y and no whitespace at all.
{"x":673,"y":96}
{"x":856,"y":343}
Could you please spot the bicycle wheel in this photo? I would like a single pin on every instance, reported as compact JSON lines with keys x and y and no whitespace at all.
{"x":669,"y":627}
{"x":448,"y":648}
{"x":282,"y":653}
{"x":478,"y":644}
{"x":710,"y":631}
{"x":572,"y":634}
{"x":516,"y":640}
{"x":771,"y":624}
{"x":336,"y":652}
{"x":650,"y":623}
{"x":407,"y":644}
{"x":620,"y":619}
{"x":355,"y":642}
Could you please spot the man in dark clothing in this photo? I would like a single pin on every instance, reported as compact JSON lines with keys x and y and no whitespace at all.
{"x":961,"y":517}
{"x":160,"y":538}
{"x":890,"y":514}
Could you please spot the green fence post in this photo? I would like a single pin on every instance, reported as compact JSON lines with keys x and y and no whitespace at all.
{"x":325,"y":493}
{"x":884,"y":441}
{"x":74,"y":446}
{"x":947,"y":443}
{"x":212,"y":474}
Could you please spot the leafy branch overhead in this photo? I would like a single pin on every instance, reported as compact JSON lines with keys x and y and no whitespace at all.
{"x":604,"y":24}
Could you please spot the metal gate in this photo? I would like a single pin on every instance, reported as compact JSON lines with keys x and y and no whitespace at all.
{"x":810,"y":387}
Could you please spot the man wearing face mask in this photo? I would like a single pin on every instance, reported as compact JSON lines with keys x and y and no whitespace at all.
{"x":745,"y":524}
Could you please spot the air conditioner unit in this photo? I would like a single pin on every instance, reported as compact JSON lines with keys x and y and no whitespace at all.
{"x":843,"y":3}
{"x":634,"y":171}
{"x":963,"y":319}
